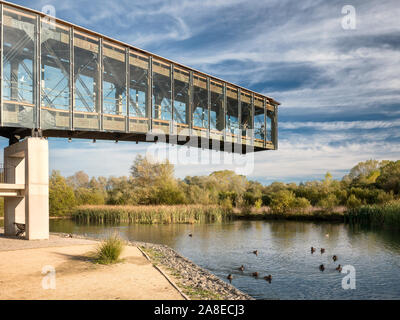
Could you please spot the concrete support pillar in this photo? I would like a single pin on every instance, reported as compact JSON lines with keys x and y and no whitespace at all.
{"x":27,"y":163}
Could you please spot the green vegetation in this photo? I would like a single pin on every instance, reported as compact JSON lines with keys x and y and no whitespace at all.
{"x":376,"y":215}
{"x":109,"y":250}
{"x":151,"y":214}
{"x":151,"y":194}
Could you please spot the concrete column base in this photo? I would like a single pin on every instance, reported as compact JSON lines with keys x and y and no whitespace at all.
{"x":27,"y":163}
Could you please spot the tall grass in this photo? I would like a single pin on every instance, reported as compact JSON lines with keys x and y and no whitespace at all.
{"x":109,"y":250}
{"x":376,"y":215}
{"x":151,"y":214}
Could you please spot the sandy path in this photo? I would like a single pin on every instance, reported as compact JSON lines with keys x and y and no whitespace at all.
{"x":77,"y":278}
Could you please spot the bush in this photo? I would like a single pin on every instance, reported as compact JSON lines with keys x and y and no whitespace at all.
{"x":89,"y":196}
{"x":109,"y":250}
{"x":282,"y":201}
{"x":301,"y":204}
{"x":353,"y":202}
{"x":328,"y":202}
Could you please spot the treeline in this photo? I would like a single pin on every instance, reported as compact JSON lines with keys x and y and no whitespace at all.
{"x":368,"y":183}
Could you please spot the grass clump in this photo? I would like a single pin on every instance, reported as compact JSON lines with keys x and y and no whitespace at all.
{"x":109,"y":250}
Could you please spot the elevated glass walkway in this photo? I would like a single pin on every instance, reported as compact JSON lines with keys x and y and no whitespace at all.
{"x":65,"y":81}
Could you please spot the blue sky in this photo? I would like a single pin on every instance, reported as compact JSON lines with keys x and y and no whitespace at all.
{"x":339,"y":89}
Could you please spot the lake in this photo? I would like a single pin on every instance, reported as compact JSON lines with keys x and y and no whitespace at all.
{"x":283,"y":251}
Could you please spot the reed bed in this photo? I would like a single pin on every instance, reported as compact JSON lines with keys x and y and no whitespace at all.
{"x":307,"y":214}
{"x":151,"y":214}
{"x":376,"y":215}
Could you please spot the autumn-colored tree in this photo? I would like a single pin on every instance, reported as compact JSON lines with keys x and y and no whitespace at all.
{"x":61,"y":195}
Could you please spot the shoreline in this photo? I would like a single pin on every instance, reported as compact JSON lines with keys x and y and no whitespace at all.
{"x":194,"y":281}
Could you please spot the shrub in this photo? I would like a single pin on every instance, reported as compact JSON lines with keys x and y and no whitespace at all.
{"x":328,"y":202}
{"x":258,"y":204}
{"x":109,"y":250}
{"x":89,"y":196}
{"x":353,"y":202}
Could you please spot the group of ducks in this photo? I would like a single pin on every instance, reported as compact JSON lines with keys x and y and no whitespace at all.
{"x":254,"y":274}
{"x":334,"y":258}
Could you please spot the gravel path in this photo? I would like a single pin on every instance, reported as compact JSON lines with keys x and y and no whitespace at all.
{"x":194,"y":281}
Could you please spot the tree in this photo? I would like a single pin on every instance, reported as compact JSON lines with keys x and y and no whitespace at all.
{"x":389,"y":179}
{"x":365,"y":172}
{"x":79,"y":180}
{"x":61,"y":195}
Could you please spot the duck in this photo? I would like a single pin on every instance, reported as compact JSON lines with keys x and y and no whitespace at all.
{"x":268,"y":278}
{"x":322,"y":267}
{"x":190,"y":235}
{"x":255,"y":252}
{"x":241,"y":268}
{"x":322,"y":250}
{"x":255,"y":274}
{"x":334,"y":258}
{"x":339,"y":268}
{"x":312,"y":250}
{"x":229,"y":277}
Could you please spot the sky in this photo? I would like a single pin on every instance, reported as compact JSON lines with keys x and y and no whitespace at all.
{"x":339,"y":87}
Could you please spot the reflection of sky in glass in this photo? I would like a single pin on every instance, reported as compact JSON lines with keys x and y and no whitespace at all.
{"x":232,"y":124}
{"x":85,"y":100}
{"x":137,"y":106}
{"x":259,"y":126}
{"x":269,"y":131}
{"x":165,"y":109}
{"x":24,"y":82}
{"x":55,"y":88}
{"x":180,"y":111}
{"x":213,"y":120}
{"x":200,"y":117}
{"x":110,"y":102}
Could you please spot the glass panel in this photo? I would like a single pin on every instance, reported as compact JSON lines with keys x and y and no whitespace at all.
{"x":19,"y":68}
{"x":114,"y":80}
{"x":232,"y":114}
{"x":55,"y":68}
{"x":114,"y":87}
{"x":86,"y":88}
{"x":138,"y":92}
{"x":181,"y":100}
{"x":259,"y":125}
{"x":162,"y":94}
{"x":246,"y":117}
{"x":200,"y":106}
{"x":270,"y":117}
{"x":217,"y":110}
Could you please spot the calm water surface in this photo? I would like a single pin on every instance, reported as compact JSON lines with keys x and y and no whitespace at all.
{"x":283,"y":251}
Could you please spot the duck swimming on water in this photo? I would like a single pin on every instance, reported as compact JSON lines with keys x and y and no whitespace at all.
{"x":312,"y":250}
{"x":322,"y":267}
{"x":268,"y":278}
{"x":255,"y":252}
{"x":241,"y":268}
{"x":322,"y":250}
{"x":334,"y":258}
{"x":255,"y":274}
{"x":339,"y":268}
